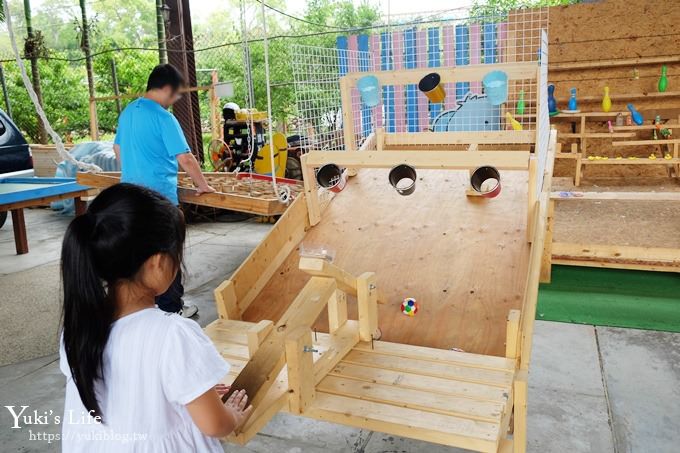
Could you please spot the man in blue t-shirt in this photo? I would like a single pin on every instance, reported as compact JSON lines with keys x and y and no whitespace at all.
{"x":149,"y":145}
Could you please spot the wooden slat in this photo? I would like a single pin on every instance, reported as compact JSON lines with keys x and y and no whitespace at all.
{"x":459,"y":138}
{"x":646,"y":142}
{"x":422,"y":159}
{"x":414,"y":399}
{"x":439,"y":355}
{"x":617,"y":256}
{"x":219,"y":336}
{"x":233,"y":350}
{"x":515,"y":71}
{"x":323,"y":268}
{"x":335,"y":347}
{"x":429,"y":368}
{"x":416,"y":424}
{"x":599,"y":135}
{"x":231,"y":325}
{"x":637,"y":161}
{"x":618,"y":196}
{"x":444,"y":386}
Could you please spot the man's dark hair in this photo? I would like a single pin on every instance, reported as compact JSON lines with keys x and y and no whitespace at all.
{"x":163,"y":75}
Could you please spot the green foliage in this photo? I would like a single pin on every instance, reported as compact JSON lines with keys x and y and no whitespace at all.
{"x":481,"y":8}
{"x":64,"y":98}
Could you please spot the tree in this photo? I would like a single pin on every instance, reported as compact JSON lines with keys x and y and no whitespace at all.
{"x":481,"y":8}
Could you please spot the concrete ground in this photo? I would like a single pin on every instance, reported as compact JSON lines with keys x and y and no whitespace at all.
{"x":591,"y":389}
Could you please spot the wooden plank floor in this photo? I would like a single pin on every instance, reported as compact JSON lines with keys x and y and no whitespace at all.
{"x":464,"y":260}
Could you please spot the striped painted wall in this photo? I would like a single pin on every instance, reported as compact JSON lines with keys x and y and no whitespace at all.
{"x":404,"y":108}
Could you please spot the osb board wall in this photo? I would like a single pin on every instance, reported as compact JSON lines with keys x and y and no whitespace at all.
{"x":616,"y":30}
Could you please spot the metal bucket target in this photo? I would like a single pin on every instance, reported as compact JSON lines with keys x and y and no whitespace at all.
{"x":481,"y":178}
{"x":403,"y":179}
{"x":331,"y":177}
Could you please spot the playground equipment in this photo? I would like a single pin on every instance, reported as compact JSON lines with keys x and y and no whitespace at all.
{"x":430,"y":85}
{"x":322,"y":335}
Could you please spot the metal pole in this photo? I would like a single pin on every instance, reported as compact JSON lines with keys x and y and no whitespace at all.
{"x":114,"y":80}
{"x":160,"y":32}
{"x":5,"y":94}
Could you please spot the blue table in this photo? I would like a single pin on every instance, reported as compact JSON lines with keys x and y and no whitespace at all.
{"x":19,"y":193}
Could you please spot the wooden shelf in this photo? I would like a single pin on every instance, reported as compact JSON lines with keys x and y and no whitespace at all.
{"x":605,"y":64}
{"x":645,"y":127}
{"x":599,"y":135}
{"x":646,"y":142}
{"x":624,"y":97}
{"x":627,"y":161}
{"x":591,"y":115}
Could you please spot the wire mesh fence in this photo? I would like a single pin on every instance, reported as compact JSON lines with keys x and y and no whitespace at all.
{"x":122,"y":70}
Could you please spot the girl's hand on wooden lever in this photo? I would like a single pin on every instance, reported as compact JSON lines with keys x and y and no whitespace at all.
{"x":237,"y":405}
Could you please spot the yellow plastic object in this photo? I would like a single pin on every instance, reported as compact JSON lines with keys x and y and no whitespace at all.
{"x":263,"y":161}
{"x":250,"y":115}
{"x":515,"y":124}
{"x":606,"y":101}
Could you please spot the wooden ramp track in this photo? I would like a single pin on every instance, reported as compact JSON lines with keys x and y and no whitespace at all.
{"x":449,"y":397}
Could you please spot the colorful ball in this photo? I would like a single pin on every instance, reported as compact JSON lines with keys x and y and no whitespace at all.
{"x":409,"y":306}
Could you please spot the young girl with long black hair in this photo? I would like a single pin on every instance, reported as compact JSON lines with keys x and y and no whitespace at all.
{"x":138,"y":378}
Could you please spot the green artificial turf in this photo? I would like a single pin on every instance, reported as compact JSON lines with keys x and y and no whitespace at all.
{"x":611,"y":297}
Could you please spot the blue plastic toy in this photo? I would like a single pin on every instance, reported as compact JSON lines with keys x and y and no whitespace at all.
{"x":496,"y":87}
{"x":573,"y":104}
{"x":637,"y":116}
{"x":369,"y":89}
{"x":552,"y":103}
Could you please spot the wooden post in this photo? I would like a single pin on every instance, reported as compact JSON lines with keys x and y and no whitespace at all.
{"x":520,"y":415}
{"x":80,"y":205}
{"x":347,"y":120}
{"x":531,"y":197}
{"x":20,"y":237}
{"x":337,"y":311}
{"x":512,"y":335}
{"x":367,"y":301}
{"x":94,"y":126}
{"x":225,"y":299}
{"x":300,"y":364}
{"x":380,"y":138}
{"x":256,"y":335}
{"x":546,"y":260}
{"x":311,"y":191}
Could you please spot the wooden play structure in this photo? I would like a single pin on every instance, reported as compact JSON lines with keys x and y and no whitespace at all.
{"x":311,"y":321}
{"x":245,"y":192}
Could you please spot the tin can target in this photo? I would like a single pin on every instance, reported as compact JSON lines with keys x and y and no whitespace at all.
{"x":403,"y":179}
{"x":487,"y":181}
{"x":331,"y":177}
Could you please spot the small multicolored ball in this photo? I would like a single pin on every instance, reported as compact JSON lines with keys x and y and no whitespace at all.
{"x":409,"y":306}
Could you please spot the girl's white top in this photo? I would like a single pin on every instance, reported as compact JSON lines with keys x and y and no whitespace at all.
{"x":154,"y":364}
